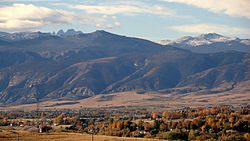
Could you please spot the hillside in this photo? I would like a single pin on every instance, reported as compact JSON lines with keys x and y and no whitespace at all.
{"x":78,"y":66}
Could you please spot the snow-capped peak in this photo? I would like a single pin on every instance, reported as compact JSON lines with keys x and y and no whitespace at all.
{"x":245,"y":41}
{"x":17,"y":36}
{"x":164,"y":42}
{"x":214,"y":37}
{"x":210,"y":36}
{"x":184,"y":39}
{"x":203,"y":39}
{"x":23,"y":35}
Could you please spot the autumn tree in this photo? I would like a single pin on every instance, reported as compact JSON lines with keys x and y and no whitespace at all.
{"x":166,"y":115}
{"x":163,"y":127}
{"x":59,"y":119}
{"x":120,"y":125}
{"x":141,"y":125}
{"x":147,"y":126}
{"x":154,"y":115}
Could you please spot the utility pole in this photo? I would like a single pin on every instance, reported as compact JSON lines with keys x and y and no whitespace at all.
{"x":79,"y":112}
{"x":92,"y":134}
{"x":17,"y":136}
{"x":36,"y":95}
{"x":37,"y":109}
{"x":92,"y":137}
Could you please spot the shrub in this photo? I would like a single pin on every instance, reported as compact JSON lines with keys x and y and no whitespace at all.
{"x":174,"y":135}
{"x":235,"y":138}
{"x":193,"y":134}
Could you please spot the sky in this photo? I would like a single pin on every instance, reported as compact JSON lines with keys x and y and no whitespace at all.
{"x":149,"y":19}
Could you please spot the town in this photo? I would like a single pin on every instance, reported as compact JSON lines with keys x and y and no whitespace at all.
{"x":215,"y":123}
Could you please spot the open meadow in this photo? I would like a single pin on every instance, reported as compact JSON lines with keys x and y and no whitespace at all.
{"x":26,"y":136}
{"x":151,"y":101}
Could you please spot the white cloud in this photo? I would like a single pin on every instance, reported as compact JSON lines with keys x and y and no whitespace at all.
{"x":108,"y":22}
{"x":124,"y":8}
{"x":4,"y":1}
{"x":230,"y":7}
{"x":212,"y":28}
{"x":28,"y":17}
{"x":117,"y":23}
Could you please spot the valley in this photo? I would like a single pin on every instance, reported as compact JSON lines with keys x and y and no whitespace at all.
{"x":134,"y":70}
{"x":150,"y":101}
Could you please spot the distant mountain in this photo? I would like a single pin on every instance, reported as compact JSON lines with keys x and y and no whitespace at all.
{"x":19,"y":36}
{"x":210,"y":43}
{"x":86,"y":64}
{"x":22,"y":35}
{"x":3,"y":34}
{"x":69,"y":32}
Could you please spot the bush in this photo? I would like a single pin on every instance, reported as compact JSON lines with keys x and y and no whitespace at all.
{"x":235,"y":138}
{"x":193,"y":134}
{"x":173,"y":135}
{"x":211,"y":139}
{"x":154,"y":132}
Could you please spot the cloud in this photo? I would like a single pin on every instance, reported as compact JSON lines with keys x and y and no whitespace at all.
{"x":230,"y":7}
{"x":212,"y":28}
{"x":108,"y":22}
{"x":28,"y":17}
{"x":124,"y":8}
{"x":28,"y":1}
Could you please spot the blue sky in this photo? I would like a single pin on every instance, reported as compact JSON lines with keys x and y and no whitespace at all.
{"x":150,"y":19}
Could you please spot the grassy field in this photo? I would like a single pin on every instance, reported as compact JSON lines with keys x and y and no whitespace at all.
{"x":26,"y":136}
{"x":132,"y":99}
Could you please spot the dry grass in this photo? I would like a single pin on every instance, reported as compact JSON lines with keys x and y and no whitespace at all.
{"x":132,"y":99}
{"x":25,"y":136}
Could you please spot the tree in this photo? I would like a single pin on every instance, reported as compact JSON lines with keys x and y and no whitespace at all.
{"x":74,"y":119}
{"x":141,"y":125}
{"x":204,"y":128}
{"x":166,"y":115}
{"x":147,"y":126}
{"x":163,"y":127}
{"x":196,"y":123}
{"x":156,"y":124}
{"x":174,"y":135}
{"x":193,"y":134}
{"x":59,"y":120}
{"x":235,"y":138}
{"x":120,"y":125}
{"x":210,"y":121}
{"x":214,"y":111}
{"x":186,"y":124}
{"x":154,"y":115}
{"x":127,"y":124}
{"x":241,"y":126}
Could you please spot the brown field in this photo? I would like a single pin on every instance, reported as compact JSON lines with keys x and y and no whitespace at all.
{"x":132,"y":99}
{"x":26,"y":136}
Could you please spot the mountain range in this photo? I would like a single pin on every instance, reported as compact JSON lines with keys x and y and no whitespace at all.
{"x":209,"y":43}
{"x":74,"y":65}
{"x":18,"y":36}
